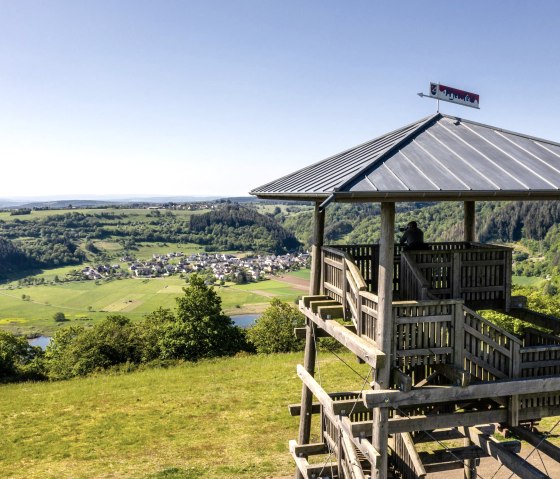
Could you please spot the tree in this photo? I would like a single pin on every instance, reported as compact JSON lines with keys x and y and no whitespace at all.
{"x":19,"y":360}
{"x":59,"y":317}
{"x":273,"y":332}
{"x":202,"y":325}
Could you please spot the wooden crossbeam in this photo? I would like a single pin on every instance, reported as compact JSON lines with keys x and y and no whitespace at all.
{"x":537,"y":441}
{"x":538,"y":319}
{"x":452,"y":454}
{"x":313,"y":449}
{"x":319,"y":333}
{"x":295,"y":409}
{"x":366,"y":349}
{"x":442,"y":421}
{"x":312,"y":471}
{"x":402,"y":381}
{"x":457,"y":375}
{"x":394,"y":398}
{"x":508,"y":458}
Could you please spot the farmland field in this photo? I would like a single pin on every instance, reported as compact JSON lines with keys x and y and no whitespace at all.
{"x":86,"y":301}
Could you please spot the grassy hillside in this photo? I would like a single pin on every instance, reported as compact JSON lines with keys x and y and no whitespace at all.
{"x":222,"y":419}
{"x":133,"y":298}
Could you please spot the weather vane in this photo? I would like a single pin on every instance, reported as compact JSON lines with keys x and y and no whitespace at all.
{"x":452,"y":95}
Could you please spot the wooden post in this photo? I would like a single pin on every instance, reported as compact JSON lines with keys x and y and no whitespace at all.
{"x":383,"y":333}
{"x":316,"y":266}
{"x":459,"y":335}
{"x":310,"y":351}
{"x":469,"y":222}
{"x":515,"y":372}
{"x":469,"y":468}
{"x":456,"y":275}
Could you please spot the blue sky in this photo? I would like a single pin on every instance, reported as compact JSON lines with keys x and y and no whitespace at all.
{"x":218,"y":97}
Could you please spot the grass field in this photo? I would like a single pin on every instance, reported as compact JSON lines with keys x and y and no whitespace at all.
{"x":133,"y":298}
{"x":217,"y":419}
{"x":531,"y":281}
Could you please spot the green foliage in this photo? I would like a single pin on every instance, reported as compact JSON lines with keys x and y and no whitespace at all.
{"x":237,"y":227}
{"x":205,"y":330}
{"x":19,"y":360}
{"x":273,"y":331}
{"x":76,"y":351}
{"x":59,"y":317}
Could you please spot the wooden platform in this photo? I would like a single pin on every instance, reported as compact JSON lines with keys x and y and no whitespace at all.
{"x":451,"y":368}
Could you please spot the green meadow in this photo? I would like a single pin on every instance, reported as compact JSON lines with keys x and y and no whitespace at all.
{"x":224,"y":418}
{"x":90,"y":301}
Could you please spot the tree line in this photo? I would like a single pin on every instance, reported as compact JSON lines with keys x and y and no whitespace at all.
{"x":196,"y":330}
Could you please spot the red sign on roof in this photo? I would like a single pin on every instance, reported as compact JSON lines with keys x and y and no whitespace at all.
{"x":454,"y":95}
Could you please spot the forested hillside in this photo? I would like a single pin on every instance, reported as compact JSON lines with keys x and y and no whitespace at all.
{"x":45,"y":240}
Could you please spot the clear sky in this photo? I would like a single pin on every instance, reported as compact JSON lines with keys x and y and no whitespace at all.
{"x":216,"y":97}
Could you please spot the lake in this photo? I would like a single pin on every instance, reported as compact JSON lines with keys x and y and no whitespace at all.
{"x":241,"y":320}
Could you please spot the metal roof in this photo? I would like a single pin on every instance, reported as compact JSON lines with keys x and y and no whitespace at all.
{"x":438,"y":157}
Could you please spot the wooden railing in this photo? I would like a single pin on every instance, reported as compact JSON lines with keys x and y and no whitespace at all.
{"x":490,"y":352}
{"x":435,"y":331}
{"x":478,"y":274}
{"x":405,"y":458}
{"x":413,"y":284}
{"x":425,"y":332}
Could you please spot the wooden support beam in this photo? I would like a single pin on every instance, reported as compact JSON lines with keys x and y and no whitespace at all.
{"x":456,"y":374}
{"x":393,"y":398}
{"x":509,"y":459}
{"x":360,"y":346}
{"x":320,"y":333}
{"x":309,"y":449}
{"x":318,"y":240}
{"x":469,"y":221}
{"x":426,"y":381}
{"x":538,"y":319}
{"x":402,"y":381}
{"x":442,"y":421}
{"x":384,"y":330}
{"x":312,"y":471}
{"x":295,"y":409}
{"x":452,"y":454}
{"x":537,"y":441}
{"x":306,"y":396}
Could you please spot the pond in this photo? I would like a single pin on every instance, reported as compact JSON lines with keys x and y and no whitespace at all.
{"x":241,"y":320}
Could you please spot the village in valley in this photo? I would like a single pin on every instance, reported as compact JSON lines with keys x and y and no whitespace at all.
{"x":220,"y":267}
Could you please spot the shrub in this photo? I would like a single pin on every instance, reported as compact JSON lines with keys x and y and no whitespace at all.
{"x":59,"y":317}
{"x":273,"y":332}
{"x":19,"y":360}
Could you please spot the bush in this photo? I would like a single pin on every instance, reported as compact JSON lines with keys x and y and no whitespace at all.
{"x":76,"y":351}
{"x":273,"y":332}
{"x":19,"y":360}
{"x":59,"y":317}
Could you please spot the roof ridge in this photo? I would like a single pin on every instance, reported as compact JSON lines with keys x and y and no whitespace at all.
{"x":502,"y":130}
{"x":422,"y":124}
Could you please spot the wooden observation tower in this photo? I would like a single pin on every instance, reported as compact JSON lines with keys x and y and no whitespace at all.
{"x":439,"y":369}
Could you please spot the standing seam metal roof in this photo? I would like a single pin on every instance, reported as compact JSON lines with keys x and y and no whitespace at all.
{"x":435,"y":156}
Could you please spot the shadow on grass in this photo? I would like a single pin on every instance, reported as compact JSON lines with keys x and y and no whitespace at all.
{"x":178,"y":473}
